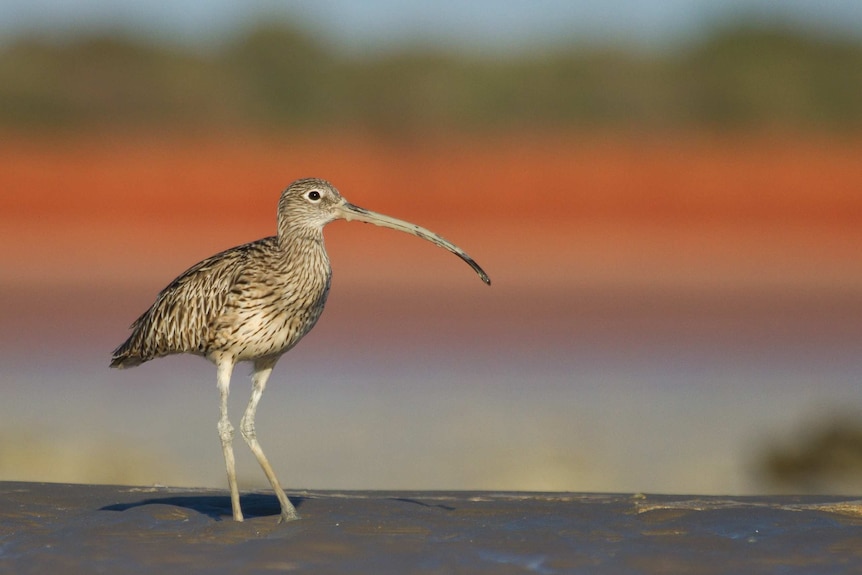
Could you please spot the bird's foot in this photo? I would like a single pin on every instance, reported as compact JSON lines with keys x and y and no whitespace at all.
{"x":287,"y":516}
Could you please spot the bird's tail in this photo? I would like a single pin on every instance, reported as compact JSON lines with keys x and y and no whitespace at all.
{"x":128,"y":354}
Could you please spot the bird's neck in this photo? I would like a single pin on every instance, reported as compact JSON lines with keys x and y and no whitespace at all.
{"x":291,"y":232}
{"x":301,"y":242}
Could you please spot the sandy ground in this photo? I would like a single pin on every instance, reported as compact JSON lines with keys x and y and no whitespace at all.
{"x":69,"y":528}
{"x":536,"y":210}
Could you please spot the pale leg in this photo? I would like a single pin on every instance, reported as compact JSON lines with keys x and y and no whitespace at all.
{"x":225,"y":432}
{"x":262,"y":369}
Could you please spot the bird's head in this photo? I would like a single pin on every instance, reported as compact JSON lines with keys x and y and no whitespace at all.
{"x":307,"y":205}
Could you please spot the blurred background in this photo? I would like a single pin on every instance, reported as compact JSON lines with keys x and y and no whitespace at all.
{"x":667,"y":196}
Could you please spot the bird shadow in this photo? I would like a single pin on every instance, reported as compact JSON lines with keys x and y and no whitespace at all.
{"x":422,"y":503}
{"x":217,"y":507}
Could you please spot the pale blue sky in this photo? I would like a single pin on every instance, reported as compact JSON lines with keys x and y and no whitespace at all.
{"x":380,"y":23}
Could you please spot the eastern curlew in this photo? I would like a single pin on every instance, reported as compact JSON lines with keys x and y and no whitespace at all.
{"x":253,"y":303}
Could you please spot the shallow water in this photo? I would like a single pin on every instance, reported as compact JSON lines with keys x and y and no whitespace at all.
{"x":588,"y":391}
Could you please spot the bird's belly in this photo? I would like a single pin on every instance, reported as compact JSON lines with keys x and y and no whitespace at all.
{"x":252,"y":332}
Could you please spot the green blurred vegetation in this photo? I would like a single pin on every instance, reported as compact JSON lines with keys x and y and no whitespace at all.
{"x":825,"y":457}
{"x":275,"y":77}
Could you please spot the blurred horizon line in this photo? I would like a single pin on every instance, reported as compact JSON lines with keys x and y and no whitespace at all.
{"x":375,"y":27}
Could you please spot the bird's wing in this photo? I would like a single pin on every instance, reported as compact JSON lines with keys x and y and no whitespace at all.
{"x":181,"y":318}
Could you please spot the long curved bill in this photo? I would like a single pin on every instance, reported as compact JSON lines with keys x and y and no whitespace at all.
{"x":350,"y":212}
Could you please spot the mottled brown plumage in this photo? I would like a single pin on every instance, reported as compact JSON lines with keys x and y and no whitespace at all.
{"x":253,"y":303}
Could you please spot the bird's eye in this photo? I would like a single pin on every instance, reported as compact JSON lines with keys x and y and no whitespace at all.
{"x":313,"y":195}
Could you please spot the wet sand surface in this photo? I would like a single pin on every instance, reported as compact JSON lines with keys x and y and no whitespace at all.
{"x":67,"y":528}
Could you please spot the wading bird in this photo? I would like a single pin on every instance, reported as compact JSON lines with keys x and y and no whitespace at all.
{"x":253,"y":303}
